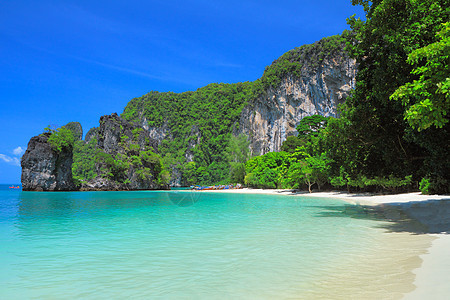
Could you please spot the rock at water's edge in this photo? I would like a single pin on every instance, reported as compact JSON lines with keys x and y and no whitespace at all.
{"x":44,"y":169}
{"x":114,"y":137}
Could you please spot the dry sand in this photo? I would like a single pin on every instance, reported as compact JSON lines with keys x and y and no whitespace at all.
{"x":432,"y":278}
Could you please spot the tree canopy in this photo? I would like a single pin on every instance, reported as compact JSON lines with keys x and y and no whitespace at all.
{"x":427,"y":99}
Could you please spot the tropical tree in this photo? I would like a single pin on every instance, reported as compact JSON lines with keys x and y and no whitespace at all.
{"x":238,"y":152}
{"x":375,"y":139}
{"x":61,"y":138}
{"x":427,"y":100}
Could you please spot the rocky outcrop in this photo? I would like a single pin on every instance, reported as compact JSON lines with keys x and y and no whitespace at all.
{"x":127,"y":159}
{"x":114,"y":130}
{"x":44,"y":169}
{"x":76,"y":129}
{"x":156,"y":133}
{"x":92,"y":133}
{"x":120,"y":140}
{"x":273,"y":116}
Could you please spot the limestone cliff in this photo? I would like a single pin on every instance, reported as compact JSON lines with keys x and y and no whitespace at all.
{"x":322,"y":83}
{"x":193,"y":128}
{"x":127,"y":160}
{"x":45,"y":169}
{"x":92,"y":133}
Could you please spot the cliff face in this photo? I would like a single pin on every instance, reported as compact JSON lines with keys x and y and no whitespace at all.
{"x":123,"y":165}
{"x":92,"y":133}
{"x":44,"y":169}
{"x":114,"y":132}
{"x":273,"y":116}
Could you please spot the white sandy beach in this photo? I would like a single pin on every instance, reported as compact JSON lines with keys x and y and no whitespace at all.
{"x":432,"y":278}
{"x":361,"y":198}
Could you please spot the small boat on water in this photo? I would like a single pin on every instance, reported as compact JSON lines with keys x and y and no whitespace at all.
{"x":14,"y":187}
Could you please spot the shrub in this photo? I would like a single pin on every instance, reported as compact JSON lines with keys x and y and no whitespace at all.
{"x":434,"y":185}
{"x":424,"y":186}
{"x":61,"y":138}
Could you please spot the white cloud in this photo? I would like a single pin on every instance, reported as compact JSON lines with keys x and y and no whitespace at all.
{"x":10,"y":160}
{"x":18,"y":151}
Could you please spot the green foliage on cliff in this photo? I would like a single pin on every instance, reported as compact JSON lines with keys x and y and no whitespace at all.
{"x":114,"y":168}
{"x":144,"y":162}
{"x":302,"y":59}
{"x":61,"y":138}
{"x":203,"y":107}
{"x":83,"y":167}
{"x":200,"y":125}
{"x":77,"y":130}
{"x":89,"y":162}
{"x":151,"y":167}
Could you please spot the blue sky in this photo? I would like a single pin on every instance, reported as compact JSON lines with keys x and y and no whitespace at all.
{"x":65,"y":61}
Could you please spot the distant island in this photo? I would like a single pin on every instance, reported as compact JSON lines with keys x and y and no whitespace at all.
{"x":361,"y":111}
{"x":201,"y":137}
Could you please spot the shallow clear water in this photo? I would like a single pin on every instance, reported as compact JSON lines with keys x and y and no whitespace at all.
{"x":176,"y":244}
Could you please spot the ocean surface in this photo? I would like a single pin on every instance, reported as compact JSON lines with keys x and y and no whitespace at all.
{"x":197,"y":245}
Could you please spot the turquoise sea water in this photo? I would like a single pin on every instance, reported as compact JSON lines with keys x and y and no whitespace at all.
{"x":176,"y":244}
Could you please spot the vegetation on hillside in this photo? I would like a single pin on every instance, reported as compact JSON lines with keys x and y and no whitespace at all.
{"x":77,"y":130}
{"x":200,"y":124}
{"x":83,"y":167}
{"x":90,"y":161}
{"x":60,"y":139}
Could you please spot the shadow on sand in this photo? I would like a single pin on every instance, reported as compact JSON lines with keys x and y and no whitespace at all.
{"x":421,"y":217}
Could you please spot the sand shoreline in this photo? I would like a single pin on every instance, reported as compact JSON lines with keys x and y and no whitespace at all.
{"x":432,"y":277}
{"x":354,"y":198}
